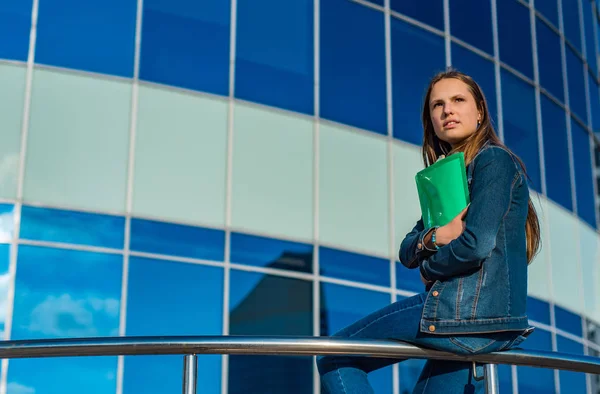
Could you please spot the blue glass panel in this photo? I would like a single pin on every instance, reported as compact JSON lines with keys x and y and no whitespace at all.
{"x":271,"y":253}
{"x":66,"y":293}
{"x":417,"y":55}
{"x":482,"y":71}
{"x":408,"y":279}
{"x":430,"y":12}
{"x":571,"y":382}
{"x":594,"y":103}
{"x":556,"y":149}
{"x":177,"y":240}
{"x":352,"y":65}
{"x":173,"y":52}
{"x":514,"y":36}
{"x":337,"y":313}
{"x":274,"y":59}
{"x":81,"y":228}
{"x":550,"y":60}
{"x":538,"y":310}
{"x":576,"y":85}
{"x":7,"y":223}
{"x":505,"y":379}
{"x":353,"y":266}
{"x":163,"y":299}
{"x":570,"y":14}
{"x":93,"y":35}
{"x":583,"y":174}
{"x":536,"y":380}
{"x":270,"y":305}
{"x":4,"y":275}
{"x":520,"y":124}
{"x":471,"y":21}
{"x":549,"y":9}
{"x":568,"y":321}
{"x":15,"y":24}
{"x":377,"y":2}
{"x":590,"y":43}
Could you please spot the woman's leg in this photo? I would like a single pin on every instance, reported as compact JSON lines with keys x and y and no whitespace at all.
{"x":448,"y":377}
{"x":348,"y":374}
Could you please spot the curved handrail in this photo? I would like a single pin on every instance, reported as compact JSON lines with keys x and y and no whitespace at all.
{"x":272,"y":345}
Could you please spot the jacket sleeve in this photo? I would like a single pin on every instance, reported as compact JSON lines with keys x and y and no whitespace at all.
{"x":412,"y":249}
{"x":495,"y":175}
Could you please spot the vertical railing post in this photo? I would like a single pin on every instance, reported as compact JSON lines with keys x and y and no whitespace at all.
{"x":490,"y":374}
{"x":190,"y":369}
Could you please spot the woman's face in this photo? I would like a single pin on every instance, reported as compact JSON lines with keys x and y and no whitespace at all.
{"x":453,"y":110}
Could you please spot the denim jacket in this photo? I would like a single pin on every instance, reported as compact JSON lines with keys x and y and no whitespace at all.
{"x":480,"y":278}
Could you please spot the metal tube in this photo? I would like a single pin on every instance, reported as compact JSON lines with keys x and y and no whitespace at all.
{"x":490,"y":373}
{"x":297,"y":346}
{"x":190,"y":369}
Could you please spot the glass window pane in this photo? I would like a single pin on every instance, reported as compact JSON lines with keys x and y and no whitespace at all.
{"x":594,"y":103}
{"x":471,"y":21}
{"x":274,"y":59}
{"x":353,"y":266}
{"x":549,"y":9}
{"x":590,"y":257}
{"x":352,"y":65}
{"x":177,"y":240}
{"x":353,"y":190}
{"x":72,"y":294}
{"x":593,"y":332}
{"x":538,"y":310}
{"x":12,"y":96}
{"x":571,"y":382}
{"x":81,"y":228}
{"x":566,"y":280}
{"x":93,"y":35}
{"x":7,"y":223}
{"x":520,"y":124}
{"x":187,"y":183}
{"x":590,"y":43}
{"x":79,"y":131}
{"x":568,"y":321}
{"x":430,"y":12}
{"x":337,"y":313}
{"x":550,"y":60}
{"x":172,"y":52}
{"x":536,"y":380}
{"x":162,"y":300}
{"x":407,"y":210}
{"x":270,"y":305}
{"x":271,"y":253}
{"x":514,"y":36}
{"x":417,"y":55}
{"x":482,"y":71}
{"x":15,"y":25}
{"x":272,"y":186}
{"x":570,"y":14}
{"x":408,"y":279}
{"x":584,"y":177}
{"x":576,"y":85}
{"x":556,"y":150}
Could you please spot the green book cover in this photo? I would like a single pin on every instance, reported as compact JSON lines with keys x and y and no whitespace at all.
{"x":443,"y":190}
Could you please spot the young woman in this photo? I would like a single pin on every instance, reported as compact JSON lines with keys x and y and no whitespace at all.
{"x":474,"y":268}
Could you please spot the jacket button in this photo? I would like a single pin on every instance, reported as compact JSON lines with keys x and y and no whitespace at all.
{"x":420,"y":246}
{"x":432,"y":328}
{"x":435,"y":293}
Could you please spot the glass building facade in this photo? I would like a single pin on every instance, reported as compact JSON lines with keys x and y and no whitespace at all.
{"x":247,"y":167}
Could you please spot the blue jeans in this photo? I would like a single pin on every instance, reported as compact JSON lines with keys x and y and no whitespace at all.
{"x":400,"y":321}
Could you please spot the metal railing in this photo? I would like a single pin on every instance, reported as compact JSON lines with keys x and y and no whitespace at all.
{"x":192,"y":346}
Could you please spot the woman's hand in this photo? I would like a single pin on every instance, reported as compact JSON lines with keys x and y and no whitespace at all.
{"x":449,"y":232}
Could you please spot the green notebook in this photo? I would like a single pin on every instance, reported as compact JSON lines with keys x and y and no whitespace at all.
{"x":443,"y":190}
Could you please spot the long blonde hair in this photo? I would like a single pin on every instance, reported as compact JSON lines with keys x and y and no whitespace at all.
{"x":433,"y":147}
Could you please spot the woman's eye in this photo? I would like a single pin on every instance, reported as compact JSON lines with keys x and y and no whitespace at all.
{"x":436,"y":105}
{"x":460,"y":99}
